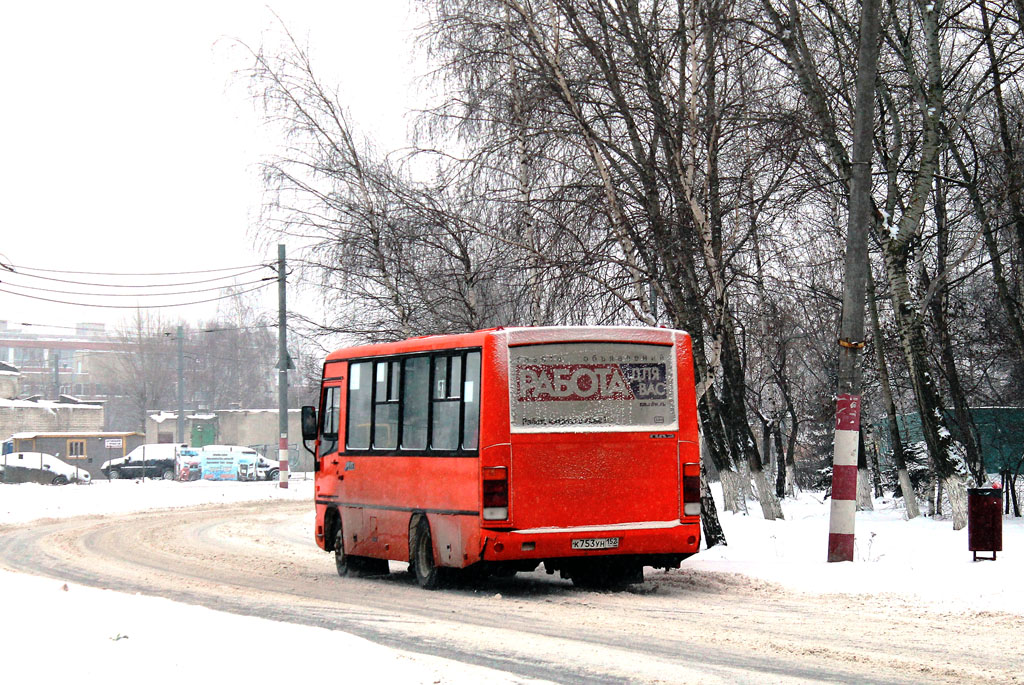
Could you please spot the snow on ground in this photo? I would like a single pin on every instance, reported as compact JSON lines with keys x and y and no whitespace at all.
{"x":57,"y":633}
{"x":118,"y":636}
{"x":28,"y":501}
{"x":72,"y":633}
{"x":924,"y":558}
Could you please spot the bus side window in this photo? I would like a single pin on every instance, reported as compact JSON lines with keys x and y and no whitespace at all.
{"x":471,"y":402}
{"x":360,"y":396}
{"x":415,"y":401}
{"x":444,"y":433}
{"x":385,"y":405}
{"x":329,"y":427}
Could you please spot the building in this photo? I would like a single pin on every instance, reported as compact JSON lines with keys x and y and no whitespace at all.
{"x":256,"y":428}
{"x":68,"y":363}
{"x":86,"y":450}
{"x":10,"y":381}
{"x":36,"y":415}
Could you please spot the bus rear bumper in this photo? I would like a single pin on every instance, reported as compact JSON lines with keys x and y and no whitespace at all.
{"x":648,"y":539}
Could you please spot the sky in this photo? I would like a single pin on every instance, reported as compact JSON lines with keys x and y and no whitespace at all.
{"x":129,"y":146}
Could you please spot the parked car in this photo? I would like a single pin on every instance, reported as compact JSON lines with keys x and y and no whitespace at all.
{"x":39,"y":467}
{"x":145,"y":461}
{"x":267,"y":469}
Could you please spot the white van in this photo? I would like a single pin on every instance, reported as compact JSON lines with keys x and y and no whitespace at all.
{"x":228,"y":462}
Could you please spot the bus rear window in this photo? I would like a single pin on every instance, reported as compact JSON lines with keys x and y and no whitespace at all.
{"x":592,"y":386}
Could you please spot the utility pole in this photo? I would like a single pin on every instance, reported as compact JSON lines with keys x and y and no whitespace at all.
{"x":56,"y":375}
{"x":181,"y":385}
{"x":282,"y":370}
{"x":851,"y":332}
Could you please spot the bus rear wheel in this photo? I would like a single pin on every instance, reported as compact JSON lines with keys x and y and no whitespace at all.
{"x":421,"y":558}
{"x":606,"y":574}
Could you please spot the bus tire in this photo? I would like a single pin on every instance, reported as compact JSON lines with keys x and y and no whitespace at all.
{"x":421,"y":557}
{"x":341,"y":560}
{"x":351,"y":565}
{"x":606,"y":575}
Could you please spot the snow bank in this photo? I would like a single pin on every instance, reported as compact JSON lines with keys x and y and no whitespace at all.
{"x":924,"y":558}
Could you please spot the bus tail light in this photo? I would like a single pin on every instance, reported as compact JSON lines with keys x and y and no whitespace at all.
{"x":495,"y":493}
{"x":691,"y":489}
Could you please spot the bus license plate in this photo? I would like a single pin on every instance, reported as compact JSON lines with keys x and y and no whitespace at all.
{"x":595,"y":543}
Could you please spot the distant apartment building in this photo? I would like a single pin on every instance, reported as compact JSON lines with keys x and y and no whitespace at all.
{"x":69,"y":363}
{"x":55,"y":381}
{"x":10,"y":381}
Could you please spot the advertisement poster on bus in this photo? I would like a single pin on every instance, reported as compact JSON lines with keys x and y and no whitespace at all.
{"x":577,"y":386}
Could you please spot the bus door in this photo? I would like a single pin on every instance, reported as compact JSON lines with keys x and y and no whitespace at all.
{"x":331,"y":439}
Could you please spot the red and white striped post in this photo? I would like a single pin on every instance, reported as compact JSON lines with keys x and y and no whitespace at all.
{"x":844,"y":479}
{"x":282,"y":456}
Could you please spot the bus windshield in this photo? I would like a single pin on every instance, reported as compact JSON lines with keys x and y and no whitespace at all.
{"x":594,"y":386}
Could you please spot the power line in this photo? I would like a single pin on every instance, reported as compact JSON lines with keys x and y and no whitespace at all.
{"x":239,"y":328}
{"x":12,"y":267}
{"x":135,"y":306}
{"x":134,"y":285}
{"x":166,"y":294}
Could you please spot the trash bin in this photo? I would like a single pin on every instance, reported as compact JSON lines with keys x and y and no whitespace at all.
{"x":985,"y":521}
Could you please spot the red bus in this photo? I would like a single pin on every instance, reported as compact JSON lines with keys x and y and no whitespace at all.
{"x":501,"y":449}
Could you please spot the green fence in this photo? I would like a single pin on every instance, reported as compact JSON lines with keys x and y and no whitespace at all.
{"x":1000,"y":430}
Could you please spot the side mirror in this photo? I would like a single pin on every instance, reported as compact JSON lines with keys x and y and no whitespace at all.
{"x":308,"y":423}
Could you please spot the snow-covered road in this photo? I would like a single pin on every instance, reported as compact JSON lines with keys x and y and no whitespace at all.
{"x":683,"y":626}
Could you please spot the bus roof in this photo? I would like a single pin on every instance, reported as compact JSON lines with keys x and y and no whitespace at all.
{"x":514,"y":336}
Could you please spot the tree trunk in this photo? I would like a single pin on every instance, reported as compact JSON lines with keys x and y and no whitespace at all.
{"x":713,"y":533}
{"x":929,"y":402}
{"x":864,"y":501}
{"x":1011,"y":165}
{"x":731,"y":492}
{"x":851,"y":327}
{"x":955,"y":487}
{"x":876,"y":471}
{"x":938,"y":304}
{"x":909,"y":496}
{"x":781,"y":473}
{"x":791,"y":452}
{"x":735,"y":414}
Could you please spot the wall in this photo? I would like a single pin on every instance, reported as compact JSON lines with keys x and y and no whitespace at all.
{"x":249,"y":427}
{"x":9,"y":385}
{"x":19,"y":416}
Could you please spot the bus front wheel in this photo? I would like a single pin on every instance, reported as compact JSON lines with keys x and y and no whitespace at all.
{"x":341,"y":560}
{"x":350,"y":565}
{"x":428,"y":575}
